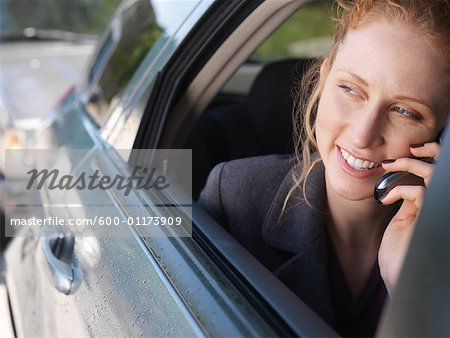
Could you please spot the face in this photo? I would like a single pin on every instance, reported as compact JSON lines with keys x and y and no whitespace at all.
{"x":387,"y":89}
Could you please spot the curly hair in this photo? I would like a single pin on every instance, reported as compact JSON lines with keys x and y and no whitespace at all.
{"x":431,"y":19}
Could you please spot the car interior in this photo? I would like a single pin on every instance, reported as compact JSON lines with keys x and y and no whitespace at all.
{"x":240,"y":104}
{"x":260,"y":124}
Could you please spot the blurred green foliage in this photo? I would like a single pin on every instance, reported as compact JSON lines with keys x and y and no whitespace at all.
{"x":311,"y":22}
{"x":79,"y":16}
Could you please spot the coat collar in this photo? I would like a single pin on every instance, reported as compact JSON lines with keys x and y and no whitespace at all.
{"x":301,"y":230}
{"x":300,"y":223}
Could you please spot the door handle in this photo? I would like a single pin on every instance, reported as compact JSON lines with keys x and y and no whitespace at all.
{"x":58,"y":251}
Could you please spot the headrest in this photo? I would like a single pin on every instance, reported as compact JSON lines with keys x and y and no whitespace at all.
{"x":270,"y":103}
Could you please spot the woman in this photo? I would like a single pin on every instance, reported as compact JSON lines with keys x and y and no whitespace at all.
{"x":380,"y":99}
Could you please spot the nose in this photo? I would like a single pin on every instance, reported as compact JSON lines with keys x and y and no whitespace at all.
{"x":367,"y":130}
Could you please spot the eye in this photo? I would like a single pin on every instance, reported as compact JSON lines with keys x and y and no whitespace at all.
{"x":348,"y":90}
{"x":405,"y":113}
{"x":353,"y":92}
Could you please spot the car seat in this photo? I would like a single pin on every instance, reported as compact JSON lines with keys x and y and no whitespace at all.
{"x":259,"y":125}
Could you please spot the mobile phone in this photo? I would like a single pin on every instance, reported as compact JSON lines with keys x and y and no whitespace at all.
{"x":389,"y":181}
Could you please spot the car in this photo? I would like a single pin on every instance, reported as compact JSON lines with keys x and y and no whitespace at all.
{"x":36,"y":68}
{"x":170,"y":92}
{"x":39,"y":64}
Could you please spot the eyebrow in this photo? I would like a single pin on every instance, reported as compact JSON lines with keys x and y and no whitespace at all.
{"x":359,"y":78}
{"x":406,"y":98}
{"x":401,"y":97}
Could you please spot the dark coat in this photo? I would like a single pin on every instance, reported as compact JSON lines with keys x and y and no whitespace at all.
{"x":246,"y":196}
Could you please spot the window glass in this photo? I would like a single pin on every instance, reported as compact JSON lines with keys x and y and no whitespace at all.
{"x":133,"y":32}
{"x":308,"y":33}
{"x":140,"y":28}
{"x":101,"y":57}
{"x":177,"y":19}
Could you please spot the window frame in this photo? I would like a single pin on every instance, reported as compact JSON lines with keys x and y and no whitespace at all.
{"x":258,"y":284}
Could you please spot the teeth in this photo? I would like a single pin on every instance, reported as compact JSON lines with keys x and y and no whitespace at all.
{"x":345,"y":154}
{"x":357,"y":163}
{"x":351,"y":160}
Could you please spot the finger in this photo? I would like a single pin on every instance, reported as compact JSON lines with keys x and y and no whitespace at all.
{"x":412,"y":165}
{"x":410,"y":193}
{"x":430,"y":149}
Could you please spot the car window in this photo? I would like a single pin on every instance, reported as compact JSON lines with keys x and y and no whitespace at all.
{"x":209,"y":140}
{"x":139,"y":27}
{"x":241,"y":120}
{"x":307,"y":33}
{"x":133,"y":32}
{"x":176,"y":18}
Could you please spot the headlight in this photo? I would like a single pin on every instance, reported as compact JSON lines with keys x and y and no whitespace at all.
{"x":14,"y":139}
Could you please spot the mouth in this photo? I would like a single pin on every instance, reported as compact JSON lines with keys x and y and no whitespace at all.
{"x":358,"y":163}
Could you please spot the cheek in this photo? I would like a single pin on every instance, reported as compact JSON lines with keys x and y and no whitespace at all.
{"x":322,"y":125}
{"x":398,"y":142}
{"x":330,"y":120}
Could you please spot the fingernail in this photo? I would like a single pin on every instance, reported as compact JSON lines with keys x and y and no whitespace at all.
{"x":417,"y":145}
{"x":388,"y":161}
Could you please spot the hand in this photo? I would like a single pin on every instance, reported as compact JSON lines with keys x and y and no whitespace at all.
{"x":398,"y":233}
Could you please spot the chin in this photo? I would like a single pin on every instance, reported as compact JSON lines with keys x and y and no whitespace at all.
{"x":351,"y":196}
{"x":351,"y":192}
{"x":348,"y":187}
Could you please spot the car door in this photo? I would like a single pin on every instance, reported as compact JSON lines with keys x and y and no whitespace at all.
{"x":95,"y":284}
{"x":117,"y":272}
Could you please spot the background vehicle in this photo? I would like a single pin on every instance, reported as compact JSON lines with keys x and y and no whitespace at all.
{"x":159,"y":72}
{"x":45,"y":47}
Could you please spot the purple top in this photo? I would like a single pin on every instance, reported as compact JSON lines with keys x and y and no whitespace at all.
{"x":356,"y":317}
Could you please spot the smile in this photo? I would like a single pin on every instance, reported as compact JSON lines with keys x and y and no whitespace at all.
{"x":357,"y":163}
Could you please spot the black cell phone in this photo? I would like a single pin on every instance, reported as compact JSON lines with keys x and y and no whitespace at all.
{"x":389,"y":181}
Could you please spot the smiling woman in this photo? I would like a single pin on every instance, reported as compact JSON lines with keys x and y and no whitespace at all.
{"x":366,"y":112}
{"x":370,"y":117}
